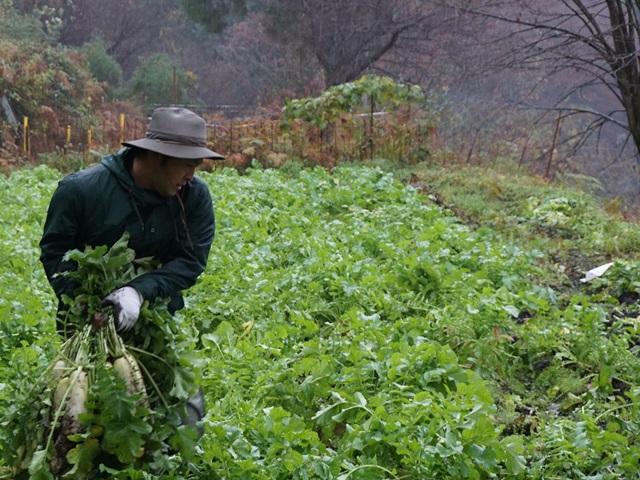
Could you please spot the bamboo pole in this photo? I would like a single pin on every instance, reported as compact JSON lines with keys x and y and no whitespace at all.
{"x":121,"y":127}
{"x":25,"y":134}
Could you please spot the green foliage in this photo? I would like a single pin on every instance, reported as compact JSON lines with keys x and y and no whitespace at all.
{"x":45,"y":83}
{"x":153,"y":82}
{"x":215,"y":15}
{"x":67,"y":161}
{"x":381,"y":92}
{"x":621,"y":282}
{"x":16,"y":27}
{"x":556,"y":219}
{"x":103,"y":67}
{"x":353,"y":328}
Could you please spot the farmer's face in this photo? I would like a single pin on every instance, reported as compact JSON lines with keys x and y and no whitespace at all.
{"x":172,"y":174}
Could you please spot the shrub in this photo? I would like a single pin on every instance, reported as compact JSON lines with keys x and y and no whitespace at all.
{"x":103,"y":67}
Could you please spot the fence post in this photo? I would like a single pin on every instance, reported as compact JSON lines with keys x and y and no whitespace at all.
{"x":473,"y":144}
{"x":553,"y":146}
{"x":121,"y":127}
{"x":25,"y":133}
{"x":524,"y":152}
{"x":371,"y":146}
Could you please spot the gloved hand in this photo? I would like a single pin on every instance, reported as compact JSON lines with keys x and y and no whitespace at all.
{"x":126,"y":303}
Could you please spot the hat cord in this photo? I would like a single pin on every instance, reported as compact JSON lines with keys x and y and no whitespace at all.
{"x":135,"y":207}
{"x":183,"y":218}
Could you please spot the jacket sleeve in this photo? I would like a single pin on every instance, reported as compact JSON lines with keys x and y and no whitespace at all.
{"x":189,"y":256}
{"x":60,"y":235}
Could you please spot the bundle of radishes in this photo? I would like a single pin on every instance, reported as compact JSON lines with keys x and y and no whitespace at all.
{"x":111,"y":403}
{"x":97,"y":344}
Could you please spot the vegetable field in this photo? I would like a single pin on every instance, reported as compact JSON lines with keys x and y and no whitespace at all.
{"x":352,"y":328}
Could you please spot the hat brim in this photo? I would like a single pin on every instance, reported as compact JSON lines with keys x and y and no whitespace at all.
{"x":175,"y":150}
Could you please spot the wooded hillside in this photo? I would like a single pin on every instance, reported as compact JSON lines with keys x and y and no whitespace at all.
{"x":555,"y":80}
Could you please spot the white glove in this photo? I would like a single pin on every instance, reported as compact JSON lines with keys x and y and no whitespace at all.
{"x":126,"y":303}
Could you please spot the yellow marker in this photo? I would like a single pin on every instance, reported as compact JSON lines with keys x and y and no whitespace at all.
{"x":121,"y":127}
{"x":68,"y":134}
{"x":25,"y":131}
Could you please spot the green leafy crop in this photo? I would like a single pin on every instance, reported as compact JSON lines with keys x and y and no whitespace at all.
{"x":349,"y":327}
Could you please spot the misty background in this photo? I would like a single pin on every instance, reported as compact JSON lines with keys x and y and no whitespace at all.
{"x":537,"y":86}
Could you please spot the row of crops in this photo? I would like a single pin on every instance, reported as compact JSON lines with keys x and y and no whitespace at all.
{"x":352,"y":328}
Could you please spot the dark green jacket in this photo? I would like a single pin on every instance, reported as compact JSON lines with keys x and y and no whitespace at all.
{"x":95,"y":206}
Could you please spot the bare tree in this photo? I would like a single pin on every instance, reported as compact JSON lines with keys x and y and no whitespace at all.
{"x":593,"y":44}
{"x":129,"y":29}
{"x":345,"y":37}
{"x":259,"y":70}
{"x":348,"y":37}
{"x":446,"y":50}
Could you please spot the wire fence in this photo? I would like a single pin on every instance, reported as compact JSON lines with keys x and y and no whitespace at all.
{"x":547,"y":142}
{"x":470,"y":130}
{"x":354,"y":137}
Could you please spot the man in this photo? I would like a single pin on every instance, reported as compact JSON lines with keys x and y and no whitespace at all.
{"x":149,"y":190}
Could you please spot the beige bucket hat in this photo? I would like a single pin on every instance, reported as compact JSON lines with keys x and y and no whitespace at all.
{"x":176,"y":132}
